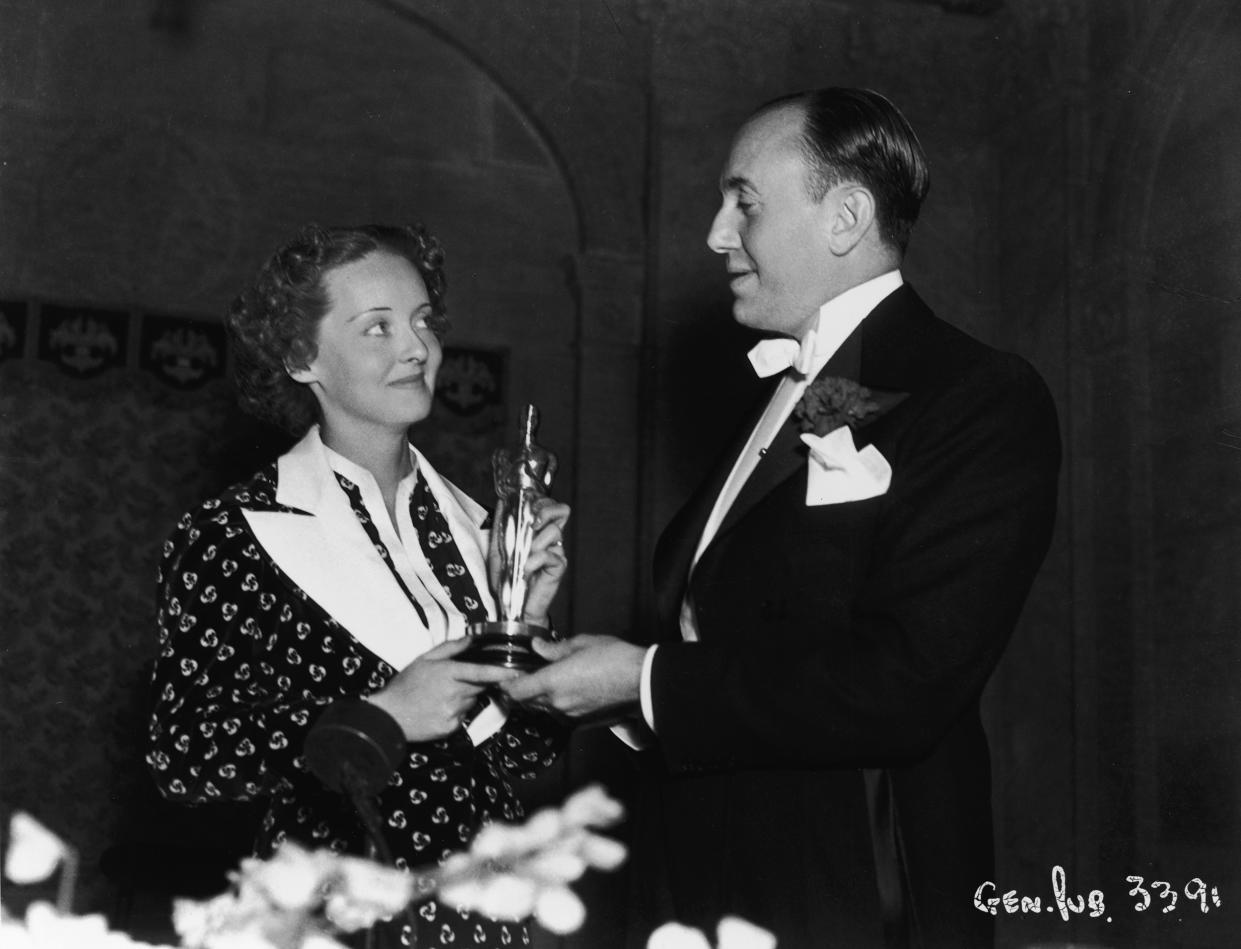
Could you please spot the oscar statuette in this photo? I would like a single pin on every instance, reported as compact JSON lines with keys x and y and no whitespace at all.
{"x":522,"y":476}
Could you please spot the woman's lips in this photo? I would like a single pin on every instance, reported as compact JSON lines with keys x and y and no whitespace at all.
{"x":407,"y":381}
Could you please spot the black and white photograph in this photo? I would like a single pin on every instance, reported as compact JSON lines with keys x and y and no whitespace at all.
{"x":620,"y":474}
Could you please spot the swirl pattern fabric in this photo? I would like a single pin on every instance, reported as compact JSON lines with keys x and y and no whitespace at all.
{"x":247,"y":661}
{"x":442,"y":553}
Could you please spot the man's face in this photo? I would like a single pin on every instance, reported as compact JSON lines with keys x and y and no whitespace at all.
{"x":773,"y":235}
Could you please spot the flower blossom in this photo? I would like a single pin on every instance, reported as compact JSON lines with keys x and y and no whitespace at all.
{"x":732,"y":932}
{"x":294,"y":898}
{"x":515,"y":871}
{"x":45,"y":928}
{"x":34,"y":851}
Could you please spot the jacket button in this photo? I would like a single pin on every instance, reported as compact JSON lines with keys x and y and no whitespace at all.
{"x":772,"y":609}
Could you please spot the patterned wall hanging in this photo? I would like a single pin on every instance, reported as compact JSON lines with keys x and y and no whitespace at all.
{"x":183,"y":353}
{"x":83,"y":341}
{"x":13,"y":323}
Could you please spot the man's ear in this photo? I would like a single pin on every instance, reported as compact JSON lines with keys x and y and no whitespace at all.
{"x":853,"y":213}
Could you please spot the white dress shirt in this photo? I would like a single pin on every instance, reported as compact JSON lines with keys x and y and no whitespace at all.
{"x":444,"y":620}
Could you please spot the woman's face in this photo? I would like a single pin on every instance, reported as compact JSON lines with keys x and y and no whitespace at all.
{"x":377,"y":357}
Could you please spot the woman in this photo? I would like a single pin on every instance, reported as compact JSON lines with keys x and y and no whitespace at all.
{"x":347,"y":569}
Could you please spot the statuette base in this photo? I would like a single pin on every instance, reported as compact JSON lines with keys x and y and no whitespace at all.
{"x":505,"y":643}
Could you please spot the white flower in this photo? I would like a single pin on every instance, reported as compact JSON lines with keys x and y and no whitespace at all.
{"x":559,"y":910}
{"x":676,"y":936}
{"x":34,"y":851}
{"x":292,"y":879}
{"x":508,"y":896}
{"x":496,"y":841}
{"x":556,"y":866}
{"x":45,"y":928}
{"x":591,"y":807}
{"x":500,"y":896}
{"x":733,"y":932}
{"x":380,"y":890}
{"x":238,"y":939}
{"x":466,"y":893}
{"x":191,"y":919}
{"x":13,"y":935}
{"x":602,"y":853}
{"x":512,"y":872}
{"x":544,"y":827}
{"x":348,"y":916}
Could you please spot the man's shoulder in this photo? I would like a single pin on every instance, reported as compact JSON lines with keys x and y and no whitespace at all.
{"x":941,"y":353}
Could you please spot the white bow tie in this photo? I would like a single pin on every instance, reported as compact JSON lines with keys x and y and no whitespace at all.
{"x":772,"y":356}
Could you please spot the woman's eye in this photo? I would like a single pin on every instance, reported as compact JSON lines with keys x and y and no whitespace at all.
{"x":378,"y":328}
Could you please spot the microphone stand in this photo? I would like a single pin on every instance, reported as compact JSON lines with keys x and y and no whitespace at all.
{"x":353,"y":749}
{"x":354,"y":786}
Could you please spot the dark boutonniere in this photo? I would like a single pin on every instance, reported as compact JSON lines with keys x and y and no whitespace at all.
{"x":831,"y":402}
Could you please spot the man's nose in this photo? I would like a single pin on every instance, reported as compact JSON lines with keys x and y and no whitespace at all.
{"x":723,"y":234}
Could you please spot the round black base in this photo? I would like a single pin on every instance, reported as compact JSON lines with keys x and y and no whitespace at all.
{"x":508,"y":645}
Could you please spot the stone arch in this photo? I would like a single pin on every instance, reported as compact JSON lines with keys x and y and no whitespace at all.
{"x":542,"y":73}
{"x":545,"y":71}
{"x":437,"y":28}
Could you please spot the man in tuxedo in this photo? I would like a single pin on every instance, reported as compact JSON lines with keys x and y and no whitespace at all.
{"x":833,"y":599}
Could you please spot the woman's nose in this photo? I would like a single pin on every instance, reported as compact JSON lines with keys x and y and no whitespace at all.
{"x":413,"y":346}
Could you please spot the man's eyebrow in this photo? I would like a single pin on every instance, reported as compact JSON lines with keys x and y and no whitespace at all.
{"x":735,"y":183}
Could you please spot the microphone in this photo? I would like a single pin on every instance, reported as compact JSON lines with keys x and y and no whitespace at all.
{"x":353,"y":748}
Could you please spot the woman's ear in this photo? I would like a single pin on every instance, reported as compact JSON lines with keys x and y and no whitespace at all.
{"x":302,"y":374}
{"x":853,"y":213}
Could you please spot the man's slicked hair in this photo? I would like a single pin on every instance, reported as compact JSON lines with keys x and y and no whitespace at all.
{"x":855,"y":135}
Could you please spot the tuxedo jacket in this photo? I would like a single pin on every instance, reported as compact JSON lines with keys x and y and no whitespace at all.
{"x":274,"y":603}
{"x":824,"y":771}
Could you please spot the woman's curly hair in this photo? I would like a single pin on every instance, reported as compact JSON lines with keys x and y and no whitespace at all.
{"x":273,"y":324}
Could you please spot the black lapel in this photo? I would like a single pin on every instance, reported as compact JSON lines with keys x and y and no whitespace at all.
{"x":680,"y":538}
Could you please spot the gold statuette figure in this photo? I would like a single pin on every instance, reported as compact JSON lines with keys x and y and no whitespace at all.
{"x":522,"y":476}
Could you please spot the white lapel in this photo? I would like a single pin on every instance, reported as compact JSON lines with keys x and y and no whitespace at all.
{"x":464,"y":515}
{"x":329,"y":556}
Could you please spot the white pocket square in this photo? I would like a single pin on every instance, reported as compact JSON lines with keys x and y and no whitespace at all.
{"x":838,"y":472}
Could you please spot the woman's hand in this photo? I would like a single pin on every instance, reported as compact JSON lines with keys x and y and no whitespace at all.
{"x":547,"y":562}
{"x":429,"y":696}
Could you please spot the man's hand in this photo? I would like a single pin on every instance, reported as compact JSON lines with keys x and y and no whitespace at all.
{"x":589,"y":677}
